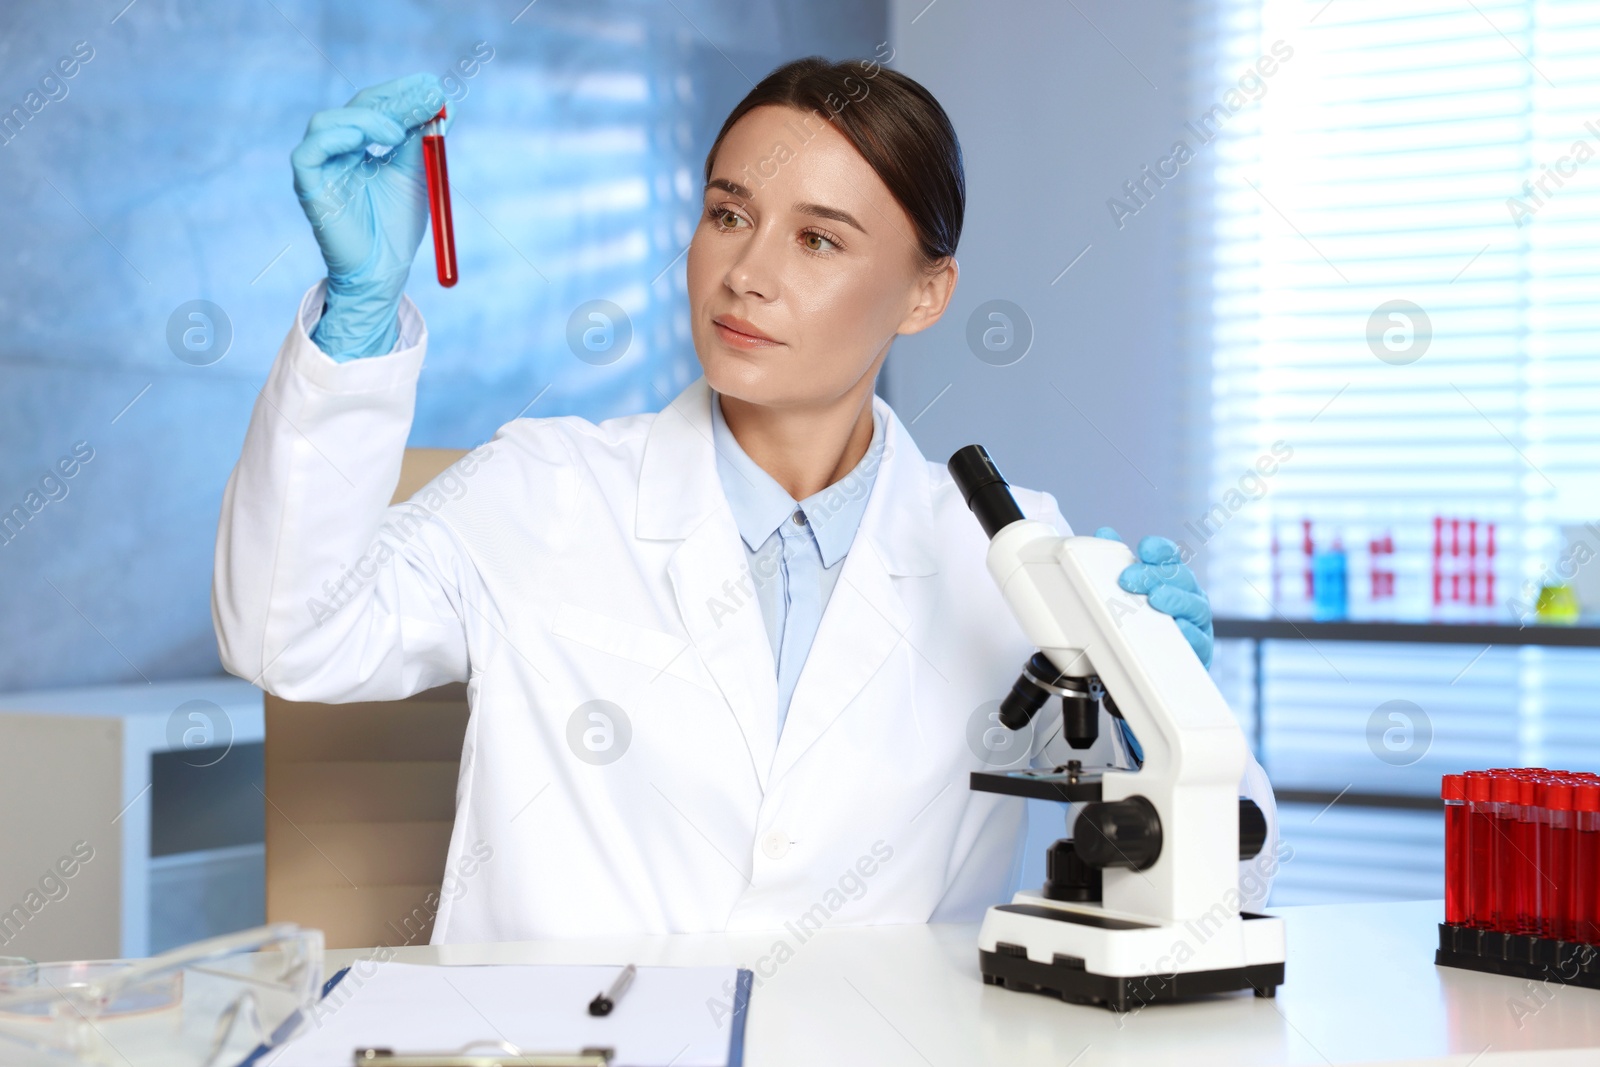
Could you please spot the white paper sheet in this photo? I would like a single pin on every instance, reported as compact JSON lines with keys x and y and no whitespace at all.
{"x":670,"y":1015}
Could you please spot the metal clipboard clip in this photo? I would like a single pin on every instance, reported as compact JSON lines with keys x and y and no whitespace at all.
{"x":482,"y":1054}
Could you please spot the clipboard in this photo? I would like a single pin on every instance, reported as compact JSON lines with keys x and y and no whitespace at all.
{"x":495,"y":1051}
{"x":289,"y":1025}
{"x":478,"y":1054}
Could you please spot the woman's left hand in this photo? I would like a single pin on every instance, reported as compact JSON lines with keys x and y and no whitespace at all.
{"x":1171,"y":588}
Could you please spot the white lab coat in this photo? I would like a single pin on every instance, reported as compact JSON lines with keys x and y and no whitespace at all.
{"x":565,"y":562}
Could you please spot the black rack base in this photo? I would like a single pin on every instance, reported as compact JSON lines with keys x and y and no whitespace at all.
{"x":1543,"y":959}
{"x":1066,"y":978}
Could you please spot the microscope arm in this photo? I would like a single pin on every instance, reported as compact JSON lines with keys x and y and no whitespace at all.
{"x":1183,"y":800}
{"x":1145,"y":901}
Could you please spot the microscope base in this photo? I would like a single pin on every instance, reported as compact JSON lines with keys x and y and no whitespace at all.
{"x":1075,"y":985}
{"x":1085,"y":955}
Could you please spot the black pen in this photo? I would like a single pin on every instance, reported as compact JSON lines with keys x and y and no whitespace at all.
{"x":604,"y":1002}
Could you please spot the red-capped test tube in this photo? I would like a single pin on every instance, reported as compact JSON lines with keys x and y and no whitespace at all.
{"x":444,"y":234}
{"x":1527,"y":845}
{"x":1503,"y":795}
{"x":1480,"y":851}
{"x":1457,"y":873}
{"x":1555,"y":852}
{"x":1586,"y":860}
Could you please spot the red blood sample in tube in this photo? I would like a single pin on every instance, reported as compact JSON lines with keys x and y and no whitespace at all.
{"x":1546,"y":897}
{"x":1454,"y":791}
{"x":1527,"y":843}
{"x":1586,"y":862}
{"x":444,"y":233}
{"x":1555,"y":847}
{"x":1480,"y":850}
{"x":1503,"y":794}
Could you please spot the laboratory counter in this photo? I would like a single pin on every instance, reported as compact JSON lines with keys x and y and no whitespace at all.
{"x":1361,"y":987}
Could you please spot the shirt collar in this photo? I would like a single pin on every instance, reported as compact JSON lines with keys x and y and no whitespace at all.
{"x":760,"y":505}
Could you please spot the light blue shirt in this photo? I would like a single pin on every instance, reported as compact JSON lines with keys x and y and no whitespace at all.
{"x":795,"y":549}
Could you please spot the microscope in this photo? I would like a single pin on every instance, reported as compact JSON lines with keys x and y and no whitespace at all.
{"x":1141,"y":903}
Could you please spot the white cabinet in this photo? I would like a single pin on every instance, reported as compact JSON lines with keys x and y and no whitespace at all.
{"x":130,"y":817}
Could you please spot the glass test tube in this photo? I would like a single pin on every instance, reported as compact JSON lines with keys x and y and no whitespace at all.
{"x":1527,"y":841}
{"x":444,"y":234}
{"x":1457,"y":880}
{"x":1480,"y":850}
{"x":1555,"y":847}
{"x":1586,"y":861}
{"x":1503,"y":793}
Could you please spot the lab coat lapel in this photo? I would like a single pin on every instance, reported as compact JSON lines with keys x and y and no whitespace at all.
{"x":681,"y":497}
{"x":866,"y":617}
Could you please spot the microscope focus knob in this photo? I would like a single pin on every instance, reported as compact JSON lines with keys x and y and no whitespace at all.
{"x":1252,"y":829}
{"x":1118,"y":833}
{"x":1067,"y":877}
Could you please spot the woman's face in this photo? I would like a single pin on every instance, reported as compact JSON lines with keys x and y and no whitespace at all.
{"x":803,"y":267}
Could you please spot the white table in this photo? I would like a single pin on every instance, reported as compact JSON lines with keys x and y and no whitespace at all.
{"x":1361,"y":987}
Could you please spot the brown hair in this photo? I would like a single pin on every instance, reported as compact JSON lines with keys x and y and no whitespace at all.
{"x":896,"y":125}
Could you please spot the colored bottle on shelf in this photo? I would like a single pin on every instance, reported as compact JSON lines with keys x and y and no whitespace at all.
{"x":1557,"y":603}
{"x":1277,"y":572}
{"x":1380,"y":567}
{"x":1488,"y":571}
{"x":1455,"y":560}
{"x":1308,"y":549}
{"x":1438,"y":561}
{"x":1330,"y":570}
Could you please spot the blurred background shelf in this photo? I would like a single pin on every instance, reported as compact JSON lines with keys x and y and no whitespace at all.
{"x":1260,"y":630}
{"x":1583,"y":635}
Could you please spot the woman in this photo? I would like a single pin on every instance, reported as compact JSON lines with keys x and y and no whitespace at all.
{"x":722,"y":660}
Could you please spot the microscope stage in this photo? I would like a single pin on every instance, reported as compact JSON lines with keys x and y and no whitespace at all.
{"x":1062,"y":785}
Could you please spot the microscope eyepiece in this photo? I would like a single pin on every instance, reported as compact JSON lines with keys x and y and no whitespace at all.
{"x":984,"y":489}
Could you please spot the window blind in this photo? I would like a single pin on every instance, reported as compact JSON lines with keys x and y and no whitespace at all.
{"x":1393,"y":254}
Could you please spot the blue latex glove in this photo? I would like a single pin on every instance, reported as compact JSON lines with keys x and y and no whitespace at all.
{"x":1171,"y":588}
{"x":368,"y":212}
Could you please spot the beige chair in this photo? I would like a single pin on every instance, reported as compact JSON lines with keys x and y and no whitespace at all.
{"x":361,"y":798}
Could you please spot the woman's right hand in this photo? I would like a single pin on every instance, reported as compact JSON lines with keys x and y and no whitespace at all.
{"x":368,"y":212}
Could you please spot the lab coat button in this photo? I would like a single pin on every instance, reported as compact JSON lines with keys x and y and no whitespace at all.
{"x":775,"y":844}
